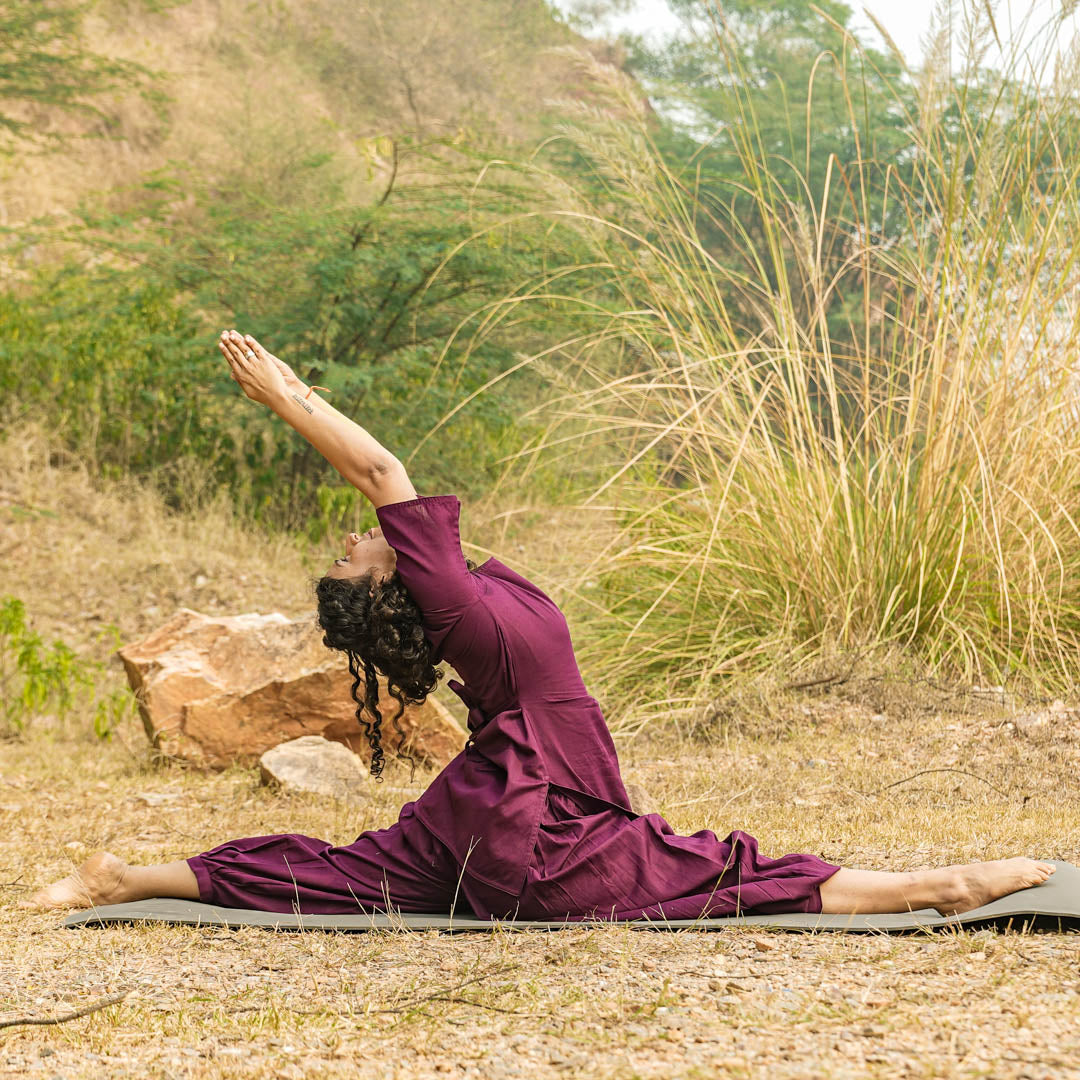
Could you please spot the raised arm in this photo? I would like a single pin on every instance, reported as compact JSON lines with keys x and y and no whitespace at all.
{"x":356,"y":454}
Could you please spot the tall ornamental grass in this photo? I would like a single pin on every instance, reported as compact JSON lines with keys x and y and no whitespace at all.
{"x":826,"y":420}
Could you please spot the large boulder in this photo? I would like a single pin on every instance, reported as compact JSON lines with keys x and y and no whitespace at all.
{"x":316,"y":766}
{"x":214,"y":690}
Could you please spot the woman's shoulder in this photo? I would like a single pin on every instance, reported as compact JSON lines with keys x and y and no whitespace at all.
{"x":495,"y":568}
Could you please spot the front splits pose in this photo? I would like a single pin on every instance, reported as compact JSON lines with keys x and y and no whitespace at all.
{"x":531,"y":819}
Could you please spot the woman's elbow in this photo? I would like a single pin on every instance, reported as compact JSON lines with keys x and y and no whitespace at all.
{"x":386,"y":481}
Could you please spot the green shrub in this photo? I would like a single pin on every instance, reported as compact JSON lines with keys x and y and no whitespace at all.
{"x":35,"y":677}
{"x":369,"y":301}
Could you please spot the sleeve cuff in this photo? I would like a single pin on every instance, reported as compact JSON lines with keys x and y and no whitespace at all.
{"x":418,"y":501}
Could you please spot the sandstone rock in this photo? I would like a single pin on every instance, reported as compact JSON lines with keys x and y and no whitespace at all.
{"x":641,"y":802}
{"x":214,"y":690}
{"x":316,"y":766}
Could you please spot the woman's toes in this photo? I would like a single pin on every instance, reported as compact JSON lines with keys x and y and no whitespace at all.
{"x":1035,"y":873}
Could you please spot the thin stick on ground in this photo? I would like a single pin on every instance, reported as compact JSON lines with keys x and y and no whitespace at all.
{"x":440,"y":995}
{"x":48,"y":1021}
{"x":927,"y":772}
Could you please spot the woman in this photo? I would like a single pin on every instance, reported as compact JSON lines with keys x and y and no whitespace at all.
{"x":531,"y":819}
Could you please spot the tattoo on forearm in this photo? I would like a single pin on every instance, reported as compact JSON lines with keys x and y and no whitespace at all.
{"x":300,"y":401}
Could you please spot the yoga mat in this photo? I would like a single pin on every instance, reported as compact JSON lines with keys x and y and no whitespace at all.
{"x":1055,"y":903}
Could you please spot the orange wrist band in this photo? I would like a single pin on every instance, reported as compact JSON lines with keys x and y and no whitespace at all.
{"x":310,"y":388}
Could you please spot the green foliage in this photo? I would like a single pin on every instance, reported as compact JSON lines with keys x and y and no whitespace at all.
{"x":35,"y":676}
{"x":119,"y":365}
{"x":360,"y":299}
{"x":44,"y":64}
{"x":780,"y":95}
{"x":109,"y":710}
{"x":338,"y":504}
{"x":32,"y":675}
{"x":361,"y":295}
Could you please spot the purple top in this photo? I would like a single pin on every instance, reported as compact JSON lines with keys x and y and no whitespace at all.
{"x":531,"y":819}
{"x":532,"y":723}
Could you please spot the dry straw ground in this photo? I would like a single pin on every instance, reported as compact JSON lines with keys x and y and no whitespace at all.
{"x":607,"y":1002}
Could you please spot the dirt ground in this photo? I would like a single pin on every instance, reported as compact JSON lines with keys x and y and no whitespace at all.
{"x":874,"y":773}
{"x":607,"y":1002}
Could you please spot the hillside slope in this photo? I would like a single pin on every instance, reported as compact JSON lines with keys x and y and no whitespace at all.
{"x":282,"y":80}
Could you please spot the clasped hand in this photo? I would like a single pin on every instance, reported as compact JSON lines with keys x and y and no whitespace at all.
{"x":261,"y":375}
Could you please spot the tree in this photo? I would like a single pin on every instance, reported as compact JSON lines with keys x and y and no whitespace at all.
{"x":795,"y":137}
{"x":45,"y":67}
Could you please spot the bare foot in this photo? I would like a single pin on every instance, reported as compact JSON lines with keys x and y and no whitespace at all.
{"x":98,"y":881}
{"x":979,"y":883}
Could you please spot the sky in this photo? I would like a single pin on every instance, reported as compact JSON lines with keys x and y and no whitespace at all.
{"x":907,"y":22}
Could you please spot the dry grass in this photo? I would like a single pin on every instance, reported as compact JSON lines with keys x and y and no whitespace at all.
{"x":611,"y":1002}
{"x":99,"y":562}
{"x":258,"y":88}
{"x":818,"y":429}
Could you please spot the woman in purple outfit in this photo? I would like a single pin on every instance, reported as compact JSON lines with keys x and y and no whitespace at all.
{"x":531,"y":819}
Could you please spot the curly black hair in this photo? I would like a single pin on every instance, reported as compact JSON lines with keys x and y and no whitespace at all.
{"x":376,"y":623}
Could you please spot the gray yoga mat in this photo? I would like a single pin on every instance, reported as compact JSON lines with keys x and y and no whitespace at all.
{"x":1054,"y":904}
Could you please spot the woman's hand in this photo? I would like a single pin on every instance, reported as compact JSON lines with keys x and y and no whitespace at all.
{"x":261,"y":375}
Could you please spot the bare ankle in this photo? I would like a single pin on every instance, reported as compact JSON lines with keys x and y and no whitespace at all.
{"x":121,"y":892}
{"x":952,"y":889}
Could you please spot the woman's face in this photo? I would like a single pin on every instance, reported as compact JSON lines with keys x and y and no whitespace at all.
{"x":367,"y":554}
